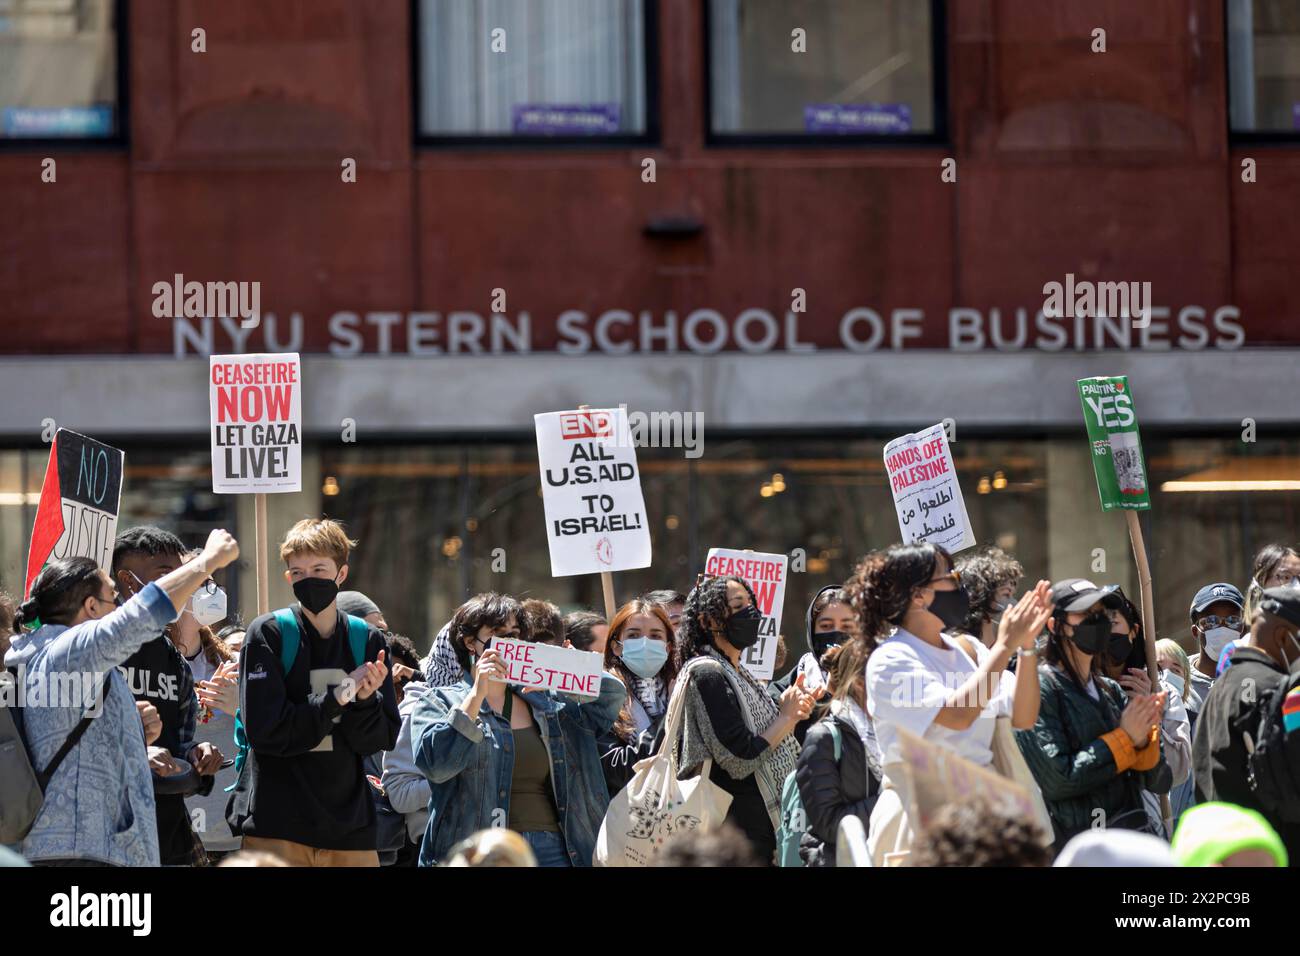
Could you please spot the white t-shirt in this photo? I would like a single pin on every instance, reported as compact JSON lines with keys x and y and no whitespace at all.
{"x":910,"y":680}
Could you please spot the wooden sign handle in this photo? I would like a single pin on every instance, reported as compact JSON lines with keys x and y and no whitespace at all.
{"x":263,"y":572}
{"x":1148,"y":626}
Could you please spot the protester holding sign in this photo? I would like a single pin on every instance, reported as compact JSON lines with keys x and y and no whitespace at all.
{"x":640,"y":652}
{"x":498,"y":757}
{"x":926,"y":683}
{"x":730,"y":718}
{"x":1093,"y":750}
{"x":99,"y":805}
{"x":159,"y":675}
{"x":1121,"y":664}
{"x":315,"y":699}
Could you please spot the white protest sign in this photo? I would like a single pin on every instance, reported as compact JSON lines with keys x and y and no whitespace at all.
{"x":765,"y":574}
{"x":591,"y":492}
{"x":256,"y":416}
{"x":562,"y":669}
{"x":927,"y":494}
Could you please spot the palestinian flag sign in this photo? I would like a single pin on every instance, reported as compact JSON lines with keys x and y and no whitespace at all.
{"x":77,"y":513}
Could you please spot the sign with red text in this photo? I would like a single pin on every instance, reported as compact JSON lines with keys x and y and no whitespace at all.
{"x":544,"y":666}
{"x":255,"y":403}
{"x":765,"y":574}
{"x":591,"y":492}
{"x":927,"y":494}
{"x":76,"y":516}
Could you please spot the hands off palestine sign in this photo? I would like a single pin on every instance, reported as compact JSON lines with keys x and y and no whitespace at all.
{"x":591,"y":491}
{"x":256,"y":407}
{"x":927,"y":495}
{"x":1116,"y":447}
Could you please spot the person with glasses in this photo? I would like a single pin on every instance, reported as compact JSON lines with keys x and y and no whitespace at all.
{"x":1094,"y":749}
{"x":921,"y":680}
{"x":1217,"y":621}
{"x":1275,"y":566}
{"x":99,"y":803}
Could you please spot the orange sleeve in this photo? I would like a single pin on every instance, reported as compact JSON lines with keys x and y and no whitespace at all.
{"x":1148,"y":756}
{"x":1121,"y":748}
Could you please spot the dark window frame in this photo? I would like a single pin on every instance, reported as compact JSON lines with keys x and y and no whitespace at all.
{"x":1238,"y":137}
{"x":512,"y":142}
{"x":939,"y":89}
{"x":120,"y":139}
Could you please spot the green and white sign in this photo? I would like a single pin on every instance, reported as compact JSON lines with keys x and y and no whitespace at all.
{"x":1116,"y":448}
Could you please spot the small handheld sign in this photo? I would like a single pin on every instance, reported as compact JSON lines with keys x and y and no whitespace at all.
{"x":927,"y":494}
{"x":1116,"y":446}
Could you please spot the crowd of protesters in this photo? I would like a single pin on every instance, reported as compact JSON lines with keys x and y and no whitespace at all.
{"x":317,"y":736}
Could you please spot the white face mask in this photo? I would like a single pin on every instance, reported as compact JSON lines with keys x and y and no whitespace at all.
{"x":208,"y":607}
{"x":1174,"y":681}
{"x":1217,"y":638}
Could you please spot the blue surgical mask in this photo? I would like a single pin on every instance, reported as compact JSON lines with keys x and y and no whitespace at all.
{"x":644,"y":656}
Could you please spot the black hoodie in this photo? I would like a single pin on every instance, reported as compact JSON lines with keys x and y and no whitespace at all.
{"x":304,"y":780}
{"x":779,"y":687}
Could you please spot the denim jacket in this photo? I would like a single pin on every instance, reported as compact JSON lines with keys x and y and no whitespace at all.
{"x":470,"y":763}
{"x":99,"y":806}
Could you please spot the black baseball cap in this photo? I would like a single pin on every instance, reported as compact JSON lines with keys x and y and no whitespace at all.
{"x":1283,"y":602}
{"x":1213,"y":593}
{"x":1079,"y":594}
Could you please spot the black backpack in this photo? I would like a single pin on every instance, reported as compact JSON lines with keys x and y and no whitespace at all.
{"x":1273,"y":756}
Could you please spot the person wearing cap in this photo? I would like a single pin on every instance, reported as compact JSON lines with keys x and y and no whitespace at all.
{"x":1125,"y":663}
{"x":358,"y":605}
{"x":1239,"y":699}
{"x":1094,"y":748}
{"x":1216,"y":623}
{"x":1221,"y":834}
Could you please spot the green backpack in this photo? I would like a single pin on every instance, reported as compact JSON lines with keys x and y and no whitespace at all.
{"x":794,"y":820}
{"x":290,"y":638}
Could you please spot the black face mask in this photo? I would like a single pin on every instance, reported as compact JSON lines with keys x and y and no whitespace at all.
{"x":742,"y":627}
{"x":822,"y":641}
{"x":951,"y":607}
{"x":1118,"y":647}
{"x":315,"y":594}
{"x":1092,"y":634}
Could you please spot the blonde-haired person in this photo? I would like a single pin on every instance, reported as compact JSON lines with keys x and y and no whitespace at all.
{"x":302,"y":790}
{"x":494,"y":847}
{"x":1174,"y":670}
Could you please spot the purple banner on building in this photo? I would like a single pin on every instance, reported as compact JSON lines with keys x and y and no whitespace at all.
{"x":552,"y":119}
{"x":57,"y":121}
{"x":857,"y":118}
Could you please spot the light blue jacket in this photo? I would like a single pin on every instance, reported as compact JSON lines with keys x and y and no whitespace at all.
{"x":99,"y":806}
{"x":470,"y":763}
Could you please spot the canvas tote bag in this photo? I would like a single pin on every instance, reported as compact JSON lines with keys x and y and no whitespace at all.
{"x":655,"y":804}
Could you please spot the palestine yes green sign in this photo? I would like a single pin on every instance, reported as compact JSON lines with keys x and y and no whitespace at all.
{"x":1113,"y":438}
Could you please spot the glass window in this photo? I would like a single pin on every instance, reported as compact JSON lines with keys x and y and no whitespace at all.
{"x":58,"y":69}
{"x":822,"y":67}
{"x":532,"y":68}
{"x":1264,"y":66}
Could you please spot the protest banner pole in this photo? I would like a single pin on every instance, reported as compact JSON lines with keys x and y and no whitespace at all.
{"x":1148,"y":628}
{"x":263,"y":575}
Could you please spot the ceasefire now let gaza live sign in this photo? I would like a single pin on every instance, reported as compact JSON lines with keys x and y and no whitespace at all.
{"x":1115,"y":444}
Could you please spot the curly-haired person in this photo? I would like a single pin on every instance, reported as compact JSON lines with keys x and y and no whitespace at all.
{"x":979,"y":833}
